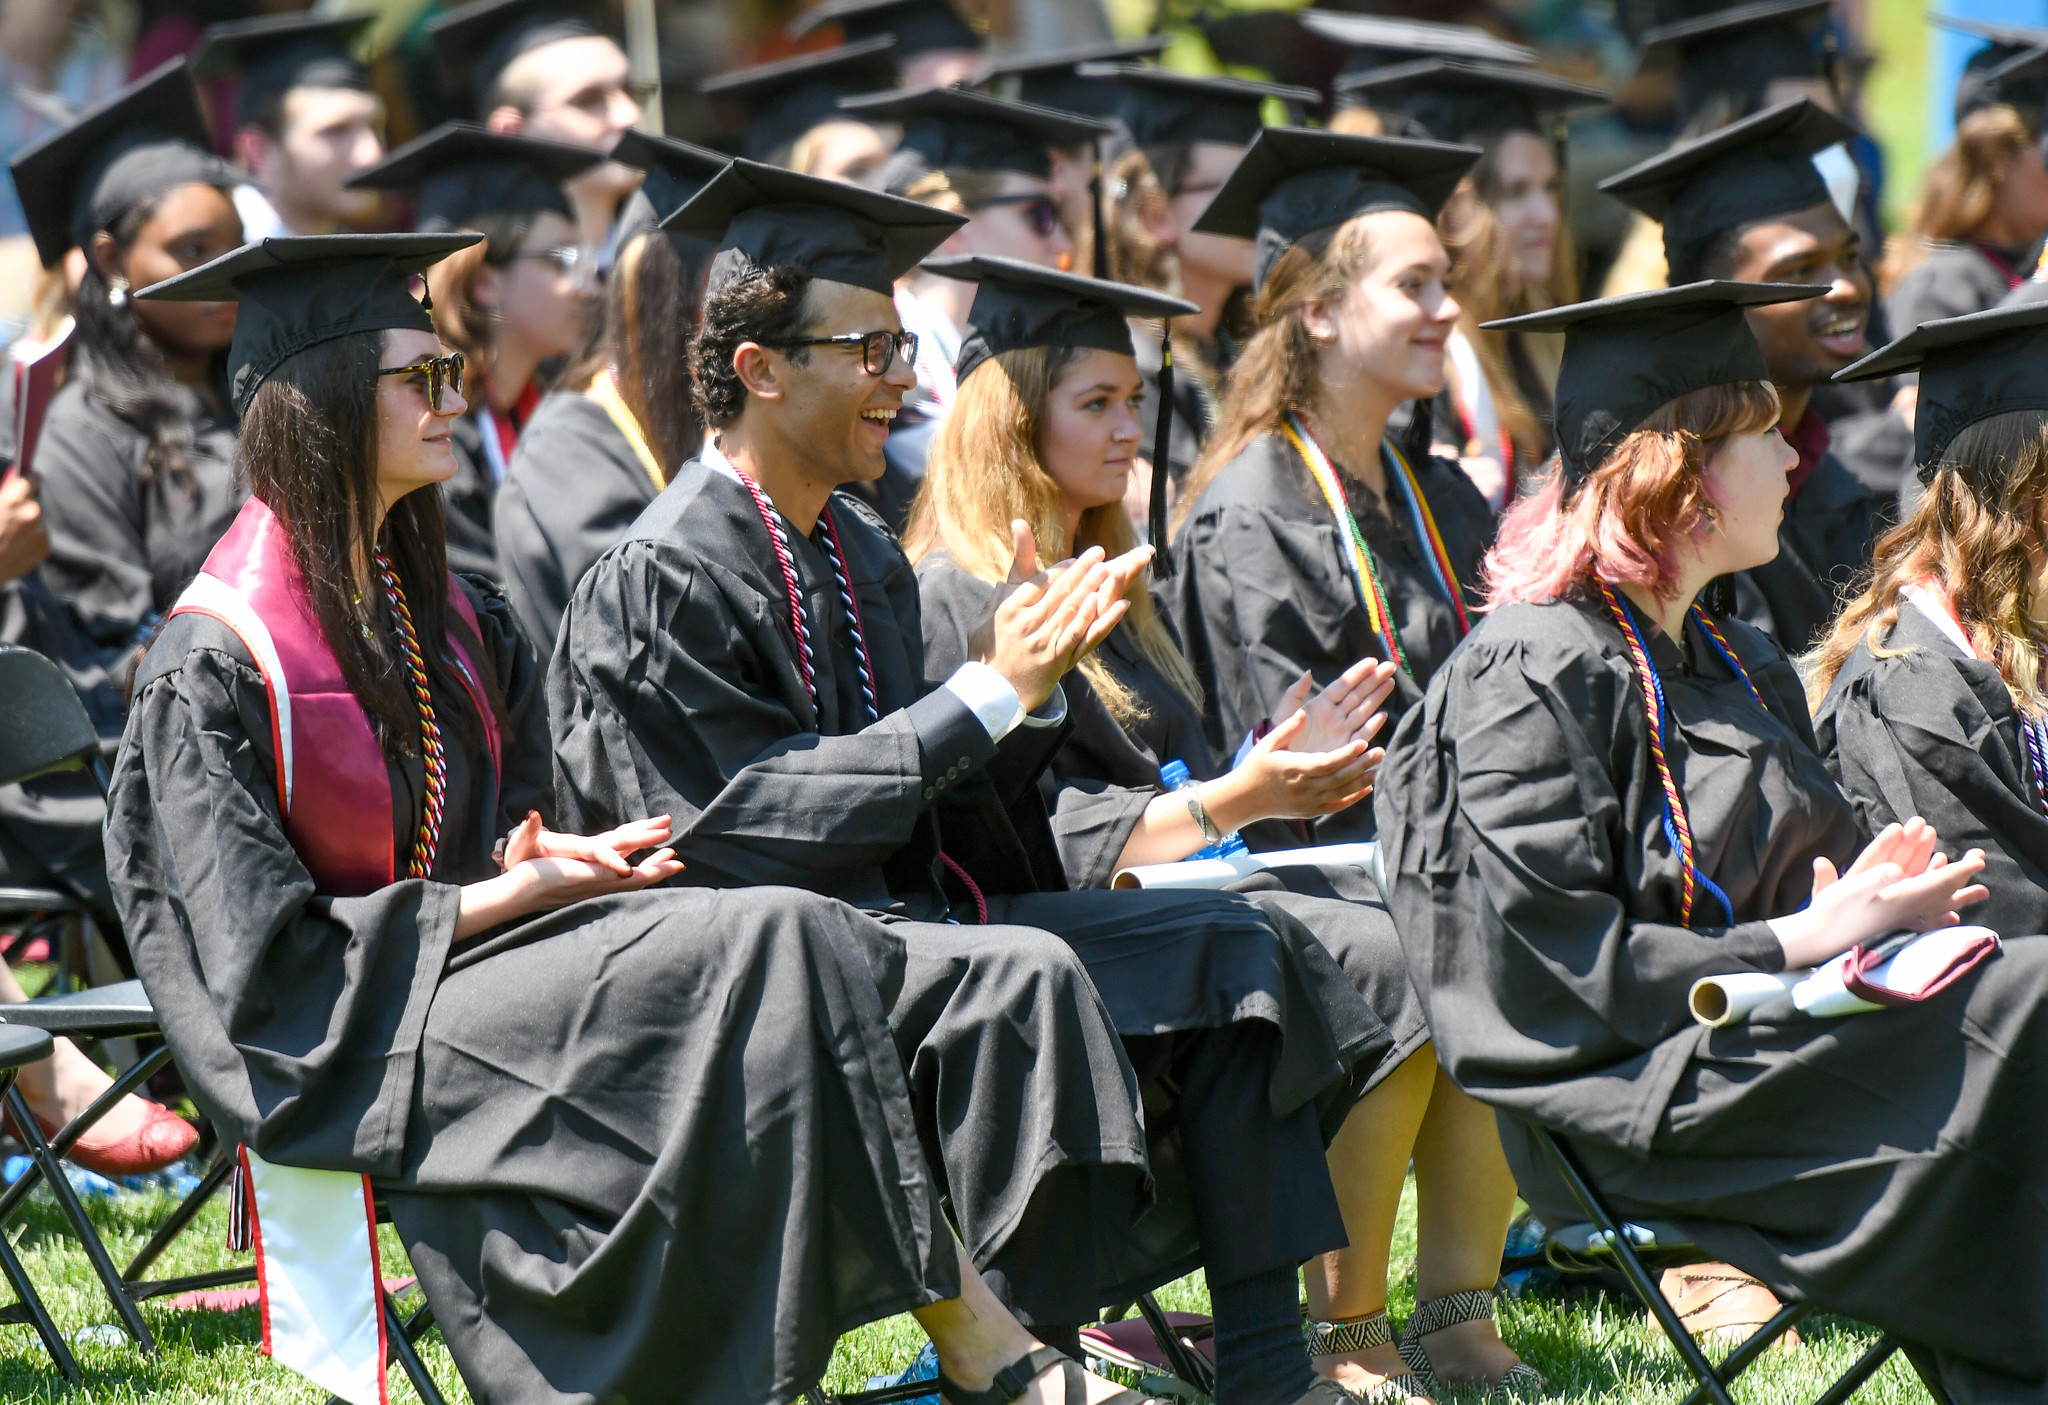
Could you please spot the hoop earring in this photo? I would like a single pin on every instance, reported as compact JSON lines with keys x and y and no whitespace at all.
{"x":117,"y":291}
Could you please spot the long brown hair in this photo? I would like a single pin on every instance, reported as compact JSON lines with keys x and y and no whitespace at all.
{"x":982,"y":472}
{"x":1976,"y":533}
{"x":1960,"y":188}
{"x":1276,"y":371}
{"x":1136,"y":188}
{"x":309,"y":451}
{"x":1488,"y":289}
{"x":652,"y":303}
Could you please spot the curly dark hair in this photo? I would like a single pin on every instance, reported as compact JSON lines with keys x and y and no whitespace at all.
{"x":760,"y":305}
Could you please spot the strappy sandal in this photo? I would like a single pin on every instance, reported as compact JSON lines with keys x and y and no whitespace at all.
{"x":1722,"y":1301}
{"x":1451,"y":1310}
{"x":1363,"y":1334}
{"x":1014,"y":1379}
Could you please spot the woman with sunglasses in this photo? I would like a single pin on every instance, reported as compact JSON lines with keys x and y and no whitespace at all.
{"x":646,"y":1145}
{"x":512,"y":305}
{"x":1610,"y":794}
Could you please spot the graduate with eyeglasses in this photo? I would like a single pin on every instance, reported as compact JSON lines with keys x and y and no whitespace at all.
{"x":513,"y":304}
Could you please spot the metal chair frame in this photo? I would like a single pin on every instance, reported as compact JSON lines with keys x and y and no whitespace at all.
{"x":1712,"y":1381}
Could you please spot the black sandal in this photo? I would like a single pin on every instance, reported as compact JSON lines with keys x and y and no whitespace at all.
{"x":1016,"y":1378}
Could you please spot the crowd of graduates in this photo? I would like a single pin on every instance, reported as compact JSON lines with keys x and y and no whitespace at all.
{"x":632,"y":702}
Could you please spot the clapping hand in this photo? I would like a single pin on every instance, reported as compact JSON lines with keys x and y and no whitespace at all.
{"x":1040,"y":623}
{"x":1346,"y":711}
{"x":1899,"y":880}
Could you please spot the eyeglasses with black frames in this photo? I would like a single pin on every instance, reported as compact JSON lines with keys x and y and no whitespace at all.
{"x":1038,"y":209}
{"x":438,"y":371}
{"x":878,"y":350}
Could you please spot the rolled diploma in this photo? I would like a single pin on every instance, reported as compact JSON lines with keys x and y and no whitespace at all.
{"x":1221,"y":873}
{"x":1724,"y":1000}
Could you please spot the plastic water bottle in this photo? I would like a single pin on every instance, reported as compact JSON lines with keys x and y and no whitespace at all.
{"x":1174,"y":775}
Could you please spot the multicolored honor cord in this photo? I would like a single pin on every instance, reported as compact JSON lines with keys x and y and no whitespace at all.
{"x":1364,"y":569}
{"x":427,"y":843}
{"x":1677,"y":828}
{"x":805,"y":659}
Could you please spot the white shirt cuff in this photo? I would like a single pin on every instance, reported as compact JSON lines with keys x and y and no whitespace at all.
{"x":989,"y":696}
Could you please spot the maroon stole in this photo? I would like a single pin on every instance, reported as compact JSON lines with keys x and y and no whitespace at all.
{"x":332,"y":786}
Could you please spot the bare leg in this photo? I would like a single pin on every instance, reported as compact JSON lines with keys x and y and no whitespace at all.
{"x":1465,"y":1197}
{"x":976,"y":1336}
{"x":1368,"y":1163}
{"x":63,"y":1085}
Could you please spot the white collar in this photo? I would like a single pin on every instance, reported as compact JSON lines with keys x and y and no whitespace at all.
{"x":714,"y":459}
{"x":1932,"y":603}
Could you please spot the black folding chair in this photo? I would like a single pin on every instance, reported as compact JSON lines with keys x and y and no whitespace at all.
{"x":1606,"y":1238}
{"x":19,"y":1047}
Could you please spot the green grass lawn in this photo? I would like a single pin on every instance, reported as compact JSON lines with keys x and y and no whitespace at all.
{"x":1591,"y":1348}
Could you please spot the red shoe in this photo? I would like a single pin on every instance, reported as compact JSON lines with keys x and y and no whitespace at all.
{"x":162,"y":1138}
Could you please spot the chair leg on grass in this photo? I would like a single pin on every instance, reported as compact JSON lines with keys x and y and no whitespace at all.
{"x":402,"y":1333}
{"x":188,"y":1209}
{"x":1631,"y":1265}
{"x":88,"y":1237}
{"x":38,"y":1315}
{"x":1753,"y":1346}
{"x":1865,"y":1367}
{"x":1181,"y":1359}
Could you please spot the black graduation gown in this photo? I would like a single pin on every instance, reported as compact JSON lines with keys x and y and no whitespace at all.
{"x":468,"y":502}
{"x":655,"y":1146}
{"x":1830,"y":526}
{"x":1262,"y":590}
{"x":572,"y":489}
{"x":1933,"y":732}
{"x":1106,"y":772}
{"x":675,"y":686}
{"x":125,"y":541}
{"x":1952,"y":280}
{"x":50,"y":826}
{"x":1883,"y":1165}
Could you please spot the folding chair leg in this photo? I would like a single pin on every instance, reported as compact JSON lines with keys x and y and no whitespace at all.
{"x":1865,"y":1367}
{"x":1631,"y":1265}
{"x":402,"y":1334}
{"x":88,"y":1237}
{"x":38,"y":1315}
{"x":209,"y":1186}
{"x":1753,"y":1346}
{"x":1183,"y":1360}
{"x":68,"y":1135}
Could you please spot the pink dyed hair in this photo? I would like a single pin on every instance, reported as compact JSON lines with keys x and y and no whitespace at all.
{"x":1623,"y":523}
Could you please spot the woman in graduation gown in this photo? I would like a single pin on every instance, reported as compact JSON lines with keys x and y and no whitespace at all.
{"x":511,"y":305}
{"x":600,"y":448}
{"x":1309,"y":540}
{"x":136,"y":454}
{"x":1928,"y":693}
{"x":640,"y":1145}
{"x":1607,"y":795}
{"x":1047,"y":430}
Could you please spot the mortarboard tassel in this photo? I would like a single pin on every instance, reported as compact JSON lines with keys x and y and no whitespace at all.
{"x":1162,"y":441}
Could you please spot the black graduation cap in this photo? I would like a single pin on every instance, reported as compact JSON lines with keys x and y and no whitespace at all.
{"x":298,"y":292}
{"x":1050,"y":80}
{"x":1627,"y":357}
{"x":1157,"y":105}
{"x":917,"y":26}
{"x":475,"y":43}
{"x":273,"y":54}
{"x":954,"y":128}
{"x":675,"y":170}
{"x":463,"y":172}
{"x":1750,"y":170}
{"x":2017,"y":78}
{"x":763,"y":216}
{"x":1971,"y":368}
{"x":1019,"y":305}
{"x":144,"y":140}
{"x":1377,"y":41}
{"x":1454,"y":100}
{"x":1295,"y":180}
{"x":1742,"y":49}
{"x":785,"y":99}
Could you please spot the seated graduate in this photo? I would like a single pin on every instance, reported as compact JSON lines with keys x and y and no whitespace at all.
{"x":599,"y":449}
{"x":1928,"y":691}
{"x":137,"y":451}
{"x":750,"y":660}
{"x":307,"y":118}
{"x":1309,"y":540}
{"x":1046,"y":431}
{"x":1747,"y":204}
{"x":787,"y":113}
{"x":510,"y":304}
{"x":1608,"y":795}
{"x":370,"y":953}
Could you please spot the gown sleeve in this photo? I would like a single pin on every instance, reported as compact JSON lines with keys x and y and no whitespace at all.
{"x":296,"y":1018}
{"x":527,"y":779}
{"x":1513,"y":858}
{"x":1913,"y":735}
{"x":661,"y":703}
{"x":91,"y":494}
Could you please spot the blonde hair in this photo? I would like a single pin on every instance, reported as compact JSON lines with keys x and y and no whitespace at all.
{"x":1276,"y":371}
{"x":1961,"y":187}
{"x":1976,"y":533}
{"x":983,"y":472}
{"x":1488,"y":288}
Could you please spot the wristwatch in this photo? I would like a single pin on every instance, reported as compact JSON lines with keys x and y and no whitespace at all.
{"x":1210,"y":834}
